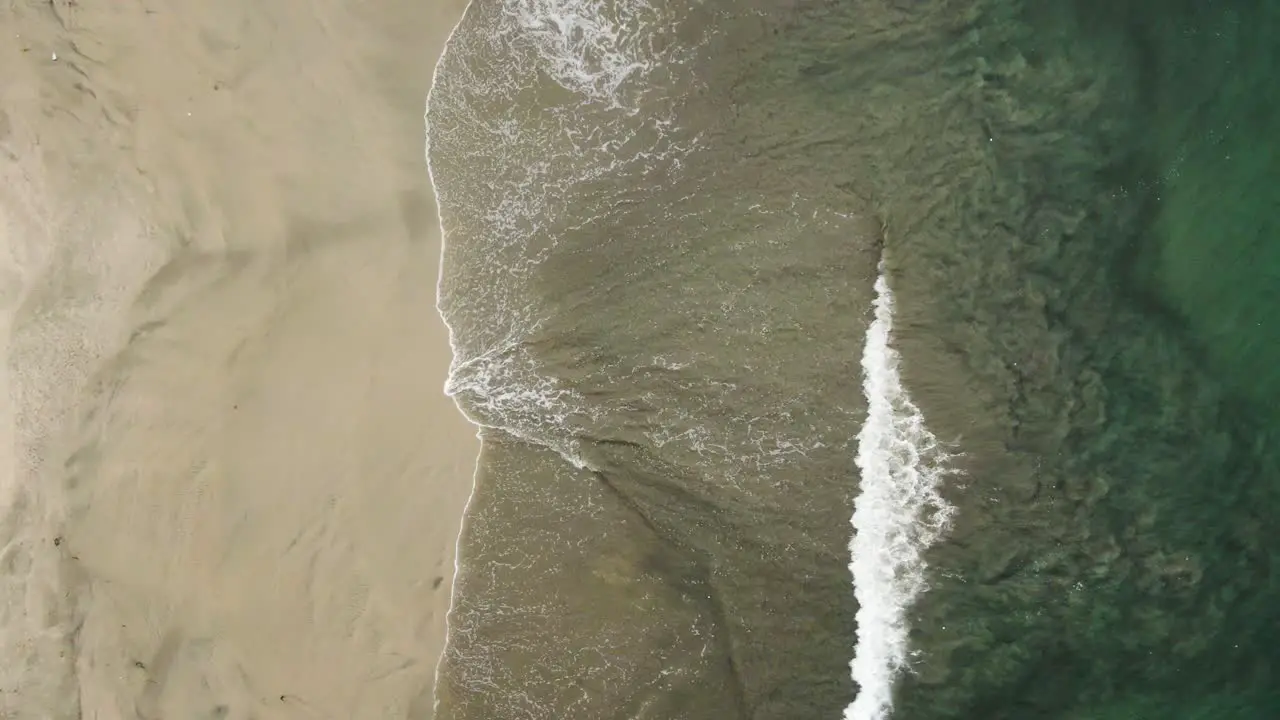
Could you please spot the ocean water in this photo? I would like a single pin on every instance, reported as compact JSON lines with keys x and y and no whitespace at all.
{"x":867,"y":359}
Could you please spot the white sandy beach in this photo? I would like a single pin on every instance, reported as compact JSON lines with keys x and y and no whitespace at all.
{"x":231,"y":481}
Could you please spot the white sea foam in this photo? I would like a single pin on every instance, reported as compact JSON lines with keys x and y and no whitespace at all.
{"x":590,"y":47}
{"x":516,"y":177}
{"x":898,"y":514}
{"x":522,"y":170}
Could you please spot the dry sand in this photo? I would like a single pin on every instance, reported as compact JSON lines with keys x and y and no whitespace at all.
{"x":231,"y":481}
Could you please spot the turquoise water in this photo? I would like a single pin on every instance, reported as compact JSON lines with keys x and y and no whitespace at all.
{"x":664,"y":224}
{"x":1213,"y":252}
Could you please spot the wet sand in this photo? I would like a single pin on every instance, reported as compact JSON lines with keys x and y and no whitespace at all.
{"x":231,"y":483}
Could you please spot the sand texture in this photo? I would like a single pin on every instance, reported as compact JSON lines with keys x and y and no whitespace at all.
{"x":231,"y":483}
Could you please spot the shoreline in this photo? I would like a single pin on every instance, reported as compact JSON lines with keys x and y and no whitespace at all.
{"x":453,"y":352}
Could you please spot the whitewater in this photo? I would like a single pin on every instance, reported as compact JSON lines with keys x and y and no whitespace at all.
{"x":898,"y":514}
{"x":601,"y":54}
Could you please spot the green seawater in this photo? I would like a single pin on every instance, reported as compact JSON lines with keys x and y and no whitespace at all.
{"x":1214,"y":248}
{"x":659,"y":282}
